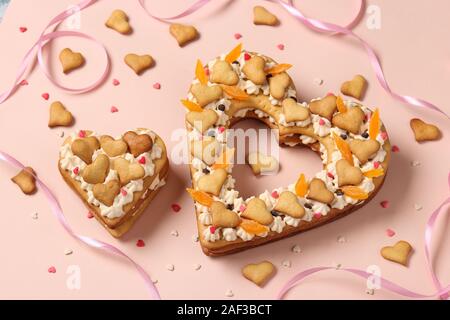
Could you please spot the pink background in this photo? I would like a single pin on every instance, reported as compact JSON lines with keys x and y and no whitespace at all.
{"x":415,"y":56}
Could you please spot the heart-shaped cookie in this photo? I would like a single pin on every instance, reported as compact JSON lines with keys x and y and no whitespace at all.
{"x":262,"y":16}
{"x":59,"y":116}
{"x":118,"y":21}
{"x":350,"y":121}
{"x":222,"y":217}
{"x":254,"y":70}
{"x":139,"y":63}
{"x":223,"y":73}
{"x":183,"y":33}
{"x":205,"y":150}
{"x":424,"y":131}
{"x":293,"y":111}
{"x":398,"y":253}
{"x":70,"y":60}
{"x":324,"y":107}
{"x":288,"y":204}
{"x":205,"y":94}
{"x":257,"y":210}
{"x":26,"y":180}
{"x":364,"y":149}
{"x":113,"y":183}
{"x":278,"y":85}
{"x":348,"y":174}
{"x":259,"y":273}
{"x":262,"y":164}
{"x":355,"y":87}
{"x":318,"y":191}
{"x":212,"y":182}
{"x":202,"y":121}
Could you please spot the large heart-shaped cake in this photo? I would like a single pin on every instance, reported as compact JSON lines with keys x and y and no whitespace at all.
{"x":116,"y":178}
{"x":349,"y":137}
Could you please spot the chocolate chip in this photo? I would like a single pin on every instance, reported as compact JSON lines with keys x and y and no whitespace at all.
{"x":294,"y":98}
{"x":365,"y":134}
{"x":339,"y":192}
{"x":230,"y":206}
{"x":221,"y":107}
{"x":275,"y":213}
{"x":344,"y":136}
{"x":206,"y":171}
{"x":269,"y":75}
{"x":308,"y":205}
{"x":236,"y":62}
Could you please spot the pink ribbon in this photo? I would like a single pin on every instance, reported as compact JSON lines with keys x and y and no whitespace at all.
{"x":442,"y":292}
{"x":57,"y":211}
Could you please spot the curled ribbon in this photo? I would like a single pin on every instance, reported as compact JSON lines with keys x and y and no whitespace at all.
{"x":57,"y":211}
{"x":442,"y":292}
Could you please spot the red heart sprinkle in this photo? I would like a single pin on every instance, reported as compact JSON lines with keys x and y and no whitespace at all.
{"x":395,"y":148}
{"x":376,"y":164}
{"x":123,"y":192}
{"x":275,"y":194}
{"x":384,"y":204}
{"x":90,"y":215}
{"x":76,"y":170}
{"x":23,"y":82}
{"x":384,"y":135}
{"x":23,"y":29}
{"x":207,"y":71}
{"x":246,"y":56}
{"x":237,"y":36}
{"x":242,"y":208}
{"x":390,"y":232}
{"x":52,"y":269}
{"x":82,"y":134}
{"x":140,"y":243}
{"x":115,"y":82}
{"x":321,"y":122}
{"x":329,"y":94}
{"x":176,"y":207}
{"x":280,"y":46}
{"x":317,"y":215}
{"x":157,"y":86}
{"x":212,"y":229}
{"x":114,"y":109}
{"x":46,"y":96}
{"x":221,"y":129}
{"x":330,"y":175}
{"x":141,"y":160}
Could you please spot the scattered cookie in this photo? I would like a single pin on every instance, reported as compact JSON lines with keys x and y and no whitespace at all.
{"x":84,"y":148}
{"x":256,"y":210}
{"x":59,"y":116}
{"x":212,"y":182}
{"x":128,"y":171}
{"x":259,"y":273}
{"x":26,"y":180}
{"x":278,"y":85}
{"x":205,"y":94}
{"x":324,"y":107}
{"x":139,"y":63}
{"x":254,"y":70}
{"x":348,"y":174}
{"x":119,"y":21}
{"x":262,"y":164}
{"x":97,"y":171}
{"x":262,"y":16}
{"x":318,"y":191}
{"x":70,"y":60}
{"x":350,"y":120}
{"x":354,"y":88}
{"x":424,"y":131}
{"x":202,"y":121}
{"x":288,"y":204}
{"x":105,"y":193}
{"x":364,"y":150}
{"x":183,"y":33}
{"x":138,"y":143}
{"x":294,"y":111}
{"x":223,"y":73}
{"x":398,"y":253}
{"x":222,"y":217}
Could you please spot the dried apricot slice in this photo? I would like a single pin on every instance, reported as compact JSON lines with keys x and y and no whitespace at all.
{"x":341,"y":105}
{"x":344,"y":148}
{"x":253,"y":227}
{"x":374,"y":126}
{"x":192,"y":106}
{"x":301,"y":187}
{"x":200,"y":73}
{"x":235,"y":92}
{"x":200,"y":196}
{"x":224,"y":159}
{"x":234,"y":54}
{"x":355,"y":192}
{"x":279,"y":68}
{"x":374,"y":173}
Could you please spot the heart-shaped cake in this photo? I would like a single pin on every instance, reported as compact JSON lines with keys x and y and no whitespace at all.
{"x":116,"y":178}
{"x":349,"y":137}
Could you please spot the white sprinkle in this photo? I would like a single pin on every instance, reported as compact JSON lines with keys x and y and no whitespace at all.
{"x":195,"y":238}
{"x":68,"y":252}
{"x":341,"y":239}
{"x":174,"y":233}
{"x":318,"y":81}
{"x":370,"y":291}
{"x":155,"y":281}
{"x":35,"y":216}
{"x":418,"y":207}
{"x":197,"y":267}
{"x":229,"y":293}
{"x":296,"y":249}
{"x":170,"y":267}
{"x":61,"y":134}
{"x":286,"y":263}
{"x":415,"y":163}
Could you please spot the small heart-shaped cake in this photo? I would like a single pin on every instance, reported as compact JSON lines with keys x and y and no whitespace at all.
{"x":348,"y":174}
{"x":262,"y":16}
{"x":119,"y":21}
{"x":222,"y":217}
{"x":324,"y":107}
{"x":354,"y":88}
{"x":183,"y":33}
{"x":254,"y":70}
{"x":59,"y":116}
{"x":256,"y":210}
{"x":223,"y":73}
{"x":398,"y":253}
{"x":288,"y":204}
{"x":116,"y":178}
{"x":202,"y":121}
{"x":278,"y":85}
{"x":139,"y":63}
{"x":205,"y":94}
{"x":364,"y":149}
{"x":350,"y":121}
{"x":424,"y":131}
{"x":318,"y":191}
{"x":26,"y":180}
{"x":212,"y":182}
{"x":259,"y":273}
{"x":70,"y":60}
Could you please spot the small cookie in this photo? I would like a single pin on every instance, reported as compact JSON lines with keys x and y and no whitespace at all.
{"x":70,"y":60}
{"x":294,"y":111}
{"x":288,"y":204}
{"x":113,"y":148}
{"x":354,"y":88}
{"x":262,"y":16}
{"x":105,"y":193}
{"x":183,"y":33}
{"x":278,"y":85}
{"x":256,"y":210}
{"x":202,"y":121}
{"x":364,"y":150}
{"x":139,"y":63}
{"x":59,"y":116}
{"x":84,"y":148}
{"x":424,"y":131}
{"x":205,"y":94}
{"x":223,"y":73}
{"x":138,"y":143}
{"x":212,"y":182}
{"x":398,"y":253}
{"x":26,"y":180}
{"x":205,"y":149}
{"x":318,"y":191}
{"x":119,"y":21}
{"x":348,"y":174}
{"x":262,"y":164}
{"x":254,"y":70}
{"x":128,"y":171}
{"x":97,"y":171}
{"x":350,"y":121}
{"x":259,"y":273}
{"x":324,"y":107}
{"x":222,"y":217}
